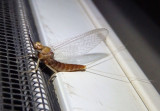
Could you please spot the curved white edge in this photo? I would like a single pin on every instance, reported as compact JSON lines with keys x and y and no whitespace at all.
{"x":61,"y":94}
{"x":145,"y":89}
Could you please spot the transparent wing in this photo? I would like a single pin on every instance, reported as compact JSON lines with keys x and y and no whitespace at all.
{"x":83,"y":59}
{"x":79,"y":45}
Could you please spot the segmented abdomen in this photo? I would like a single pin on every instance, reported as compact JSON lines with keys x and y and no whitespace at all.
{"x":62,"y":67}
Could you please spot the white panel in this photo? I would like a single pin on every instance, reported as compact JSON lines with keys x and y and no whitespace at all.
{"x":58,"y":19}
{"x":140,"y":82}
{"x":102,"y":87}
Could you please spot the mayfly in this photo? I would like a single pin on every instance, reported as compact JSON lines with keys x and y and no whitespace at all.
{"x":68,"y":56}
{"x":71,"y":55}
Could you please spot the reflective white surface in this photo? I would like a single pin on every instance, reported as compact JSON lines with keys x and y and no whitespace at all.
{"x":104,"y":85}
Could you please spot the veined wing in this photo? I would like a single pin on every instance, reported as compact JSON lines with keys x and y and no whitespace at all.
{"x":80,"y":45}
{"x":83,"y":59}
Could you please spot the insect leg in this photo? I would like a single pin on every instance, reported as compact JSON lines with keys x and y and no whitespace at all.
{"x":53,"y":76}
{"x":28,"y":55}
{"x":33,"y":69}
{"x":36,"y":66}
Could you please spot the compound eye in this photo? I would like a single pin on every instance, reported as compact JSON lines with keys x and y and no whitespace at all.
{"x":38,"y":46}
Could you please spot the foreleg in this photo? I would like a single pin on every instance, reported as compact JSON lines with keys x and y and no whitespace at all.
{"x":28,"y":55}
{"x":53,"y":76}
{"x":35,"y":68}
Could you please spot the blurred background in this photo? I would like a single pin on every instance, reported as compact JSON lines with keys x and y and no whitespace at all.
{"x":137,"y":24}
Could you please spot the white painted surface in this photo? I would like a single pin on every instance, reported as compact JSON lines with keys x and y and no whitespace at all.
{"x":108,"y":87}
{"x":58,"y":21}
{"x":140,"y":82}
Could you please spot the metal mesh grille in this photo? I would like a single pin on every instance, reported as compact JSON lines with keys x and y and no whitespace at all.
{"x":19,"y":90}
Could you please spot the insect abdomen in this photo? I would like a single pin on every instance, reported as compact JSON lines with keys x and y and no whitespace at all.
{"x":62,"y":67}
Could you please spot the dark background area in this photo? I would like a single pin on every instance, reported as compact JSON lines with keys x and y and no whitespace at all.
{"x":137,"y":24}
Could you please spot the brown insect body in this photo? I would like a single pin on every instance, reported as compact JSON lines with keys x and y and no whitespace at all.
{"x":47,"y":56}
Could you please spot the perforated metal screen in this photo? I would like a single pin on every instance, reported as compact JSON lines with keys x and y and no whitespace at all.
{"x":20,"y":90}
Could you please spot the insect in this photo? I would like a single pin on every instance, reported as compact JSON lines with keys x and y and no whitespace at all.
{"x":68,"y":56}
{"x":73,"y":54}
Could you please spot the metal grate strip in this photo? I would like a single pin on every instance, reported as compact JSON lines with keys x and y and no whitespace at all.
{"x":21,"y":91}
